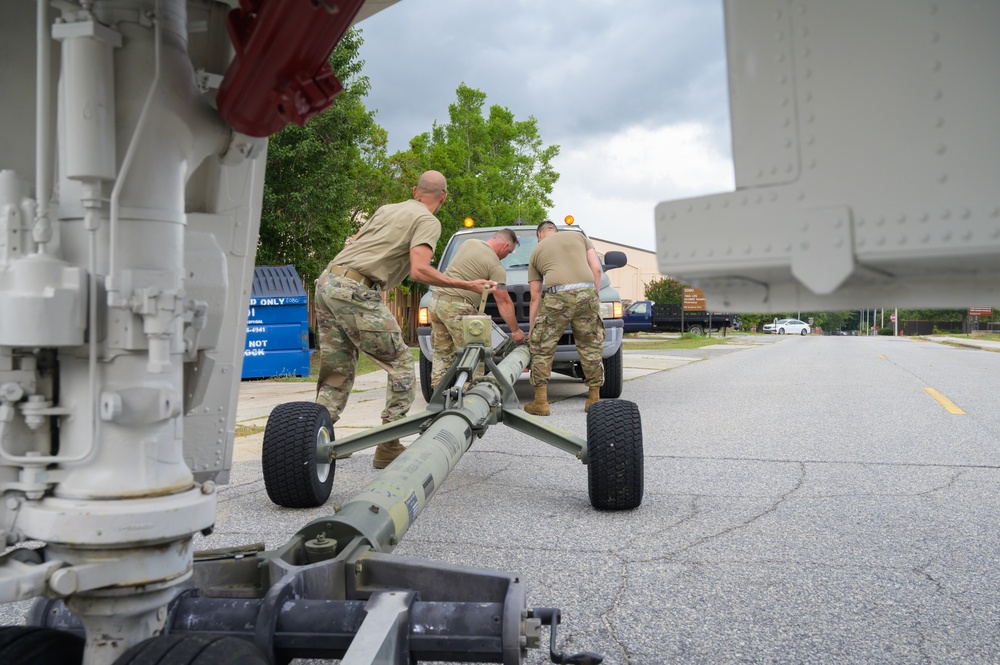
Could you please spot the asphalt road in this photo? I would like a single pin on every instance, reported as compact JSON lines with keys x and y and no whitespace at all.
{"x":806,"y":500}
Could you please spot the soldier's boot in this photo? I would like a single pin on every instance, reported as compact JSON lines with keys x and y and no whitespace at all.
{"x":593,"y":397}
{"x":386,"y":452}
{"x":540,"y":405}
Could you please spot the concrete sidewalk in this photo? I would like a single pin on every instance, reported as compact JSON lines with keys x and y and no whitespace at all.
{"x":364,"y":407}
{"x":971,"y":342}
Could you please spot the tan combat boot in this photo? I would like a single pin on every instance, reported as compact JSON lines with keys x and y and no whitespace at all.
{"x":593,"y":397}
{"x":540,"y":405}
{"x":386,"y":452}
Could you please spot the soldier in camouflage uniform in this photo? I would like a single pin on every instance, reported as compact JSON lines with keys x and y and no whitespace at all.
{"x":571,"y":270}
{"x":474,"y":258}
{"x":397,"y":241}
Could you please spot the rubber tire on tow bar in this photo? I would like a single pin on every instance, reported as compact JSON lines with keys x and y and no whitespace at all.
{"x":30,"y":645}
{"x":614,"y":378}
{"x":426,"y":367}
{"x":614,"y":449}
{"x":294,"y":476}
{"x":193,"y":649}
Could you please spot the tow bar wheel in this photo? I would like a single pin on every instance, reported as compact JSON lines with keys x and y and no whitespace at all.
{"x":294,"y":475}
{"x":614,"y":448}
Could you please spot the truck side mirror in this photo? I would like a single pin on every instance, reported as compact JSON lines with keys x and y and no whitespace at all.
{"x":615,"y":260}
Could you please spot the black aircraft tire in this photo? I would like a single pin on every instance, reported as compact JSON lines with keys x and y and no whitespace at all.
{"x":293,"y":475}
{"x":426,"y":367}
{"x":614,"y":377}
{"x":614,"y":449}
{"x":193,"y":649}
{"x":30,"y":645}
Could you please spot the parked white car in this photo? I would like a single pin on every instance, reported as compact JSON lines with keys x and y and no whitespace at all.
{"x":788,"y":327}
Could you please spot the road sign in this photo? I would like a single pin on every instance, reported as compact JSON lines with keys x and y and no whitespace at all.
{"x":694,"y":300}
{"x":980,"y":311}
{"x":892,"y":317}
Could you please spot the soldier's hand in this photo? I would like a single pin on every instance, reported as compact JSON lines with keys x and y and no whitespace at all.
{"x":518,"y":336}
{"x":481,"y":284}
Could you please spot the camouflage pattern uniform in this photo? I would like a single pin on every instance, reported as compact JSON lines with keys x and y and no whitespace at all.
{"x":579,"y":309}
{"x":560,"y":259}
{"x":447,"y":334}
{"x":475,"y":259}
{"x":352,"y":317}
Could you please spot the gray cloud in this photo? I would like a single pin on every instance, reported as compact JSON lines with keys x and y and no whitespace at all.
{"x":587,"y":67}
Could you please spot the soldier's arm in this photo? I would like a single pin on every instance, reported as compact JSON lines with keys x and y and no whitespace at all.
{"x":506,"y":307}
{"x":595,"y":266}
{"x":422,"y":271}
{"x":536,"y":300}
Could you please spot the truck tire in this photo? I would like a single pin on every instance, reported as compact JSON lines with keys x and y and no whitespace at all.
{"x":294,"y":476}
{"x":193,"y":649}
{"x":30,"y":645}
{"x":696,"y":330}
{"x":614,"y":452}
{"x":614,"y":378}
{"x":426,"y":366}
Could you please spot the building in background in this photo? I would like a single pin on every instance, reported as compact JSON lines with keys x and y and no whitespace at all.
{"x":630,"y":280}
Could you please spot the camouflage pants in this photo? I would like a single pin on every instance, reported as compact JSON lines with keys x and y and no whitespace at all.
{"x":351,"y":318}
{"x":580,"y":310}
{"x":447,"y":335}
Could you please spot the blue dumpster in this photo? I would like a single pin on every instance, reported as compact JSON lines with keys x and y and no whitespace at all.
{"x":278,"y":325}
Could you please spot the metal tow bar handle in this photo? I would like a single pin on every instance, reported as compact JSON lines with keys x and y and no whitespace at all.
{"x":550,"y":616}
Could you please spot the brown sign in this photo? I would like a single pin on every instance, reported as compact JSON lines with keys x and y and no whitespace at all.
{"x":694,"y":300}
{"x":980,"y":311}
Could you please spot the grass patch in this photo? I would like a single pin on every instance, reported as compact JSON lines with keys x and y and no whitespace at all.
{"x":248,"y":430}
{"x":686,"y":341}
{"x":365,"y":366}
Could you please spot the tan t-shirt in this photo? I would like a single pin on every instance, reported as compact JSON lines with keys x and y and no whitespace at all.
{"x":561,"y":258}
{"x":473,"y":260}
{"x":382,"y":249}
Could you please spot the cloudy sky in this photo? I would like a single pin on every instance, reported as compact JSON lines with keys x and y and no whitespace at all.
{"x":633,"y":92}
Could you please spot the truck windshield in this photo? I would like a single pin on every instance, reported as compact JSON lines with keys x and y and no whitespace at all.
{"x":516,"y":260}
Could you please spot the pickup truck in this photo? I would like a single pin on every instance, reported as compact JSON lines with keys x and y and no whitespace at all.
{"x":648,"y":316}
{"x":567,"y":360}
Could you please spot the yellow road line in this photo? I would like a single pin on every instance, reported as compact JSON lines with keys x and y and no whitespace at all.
{"x":881,"y":356}
{"x":949,"y":406}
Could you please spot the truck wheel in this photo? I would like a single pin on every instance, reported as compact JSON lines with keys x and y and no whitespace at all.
{"x":614,"y":449}
{"x":294,"y":475}
{"x":696,"y":330}
{"x":193,"y":649}
{"x":614,"y":378}
{"x":29,"y":645}
{"x":426,"y":366}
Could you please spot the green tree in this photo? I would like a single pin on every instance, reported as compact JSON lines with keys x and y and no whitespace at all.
{"x":666,"y":291}
{"x":498,"y":168}
{"x":323,"y":179}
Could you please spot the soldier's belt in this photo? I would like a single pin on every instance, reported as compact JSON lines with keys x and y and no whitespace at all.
{"x":350,"y":274}
{"x":445,"y":297}
{"x":569,"y":287}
